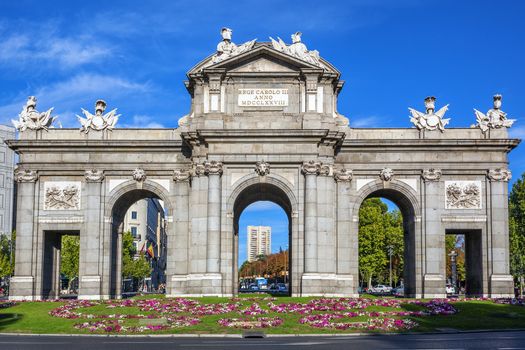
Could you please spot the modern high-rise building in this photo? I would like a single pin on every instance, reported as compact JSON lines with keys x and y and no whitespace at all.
{"x":259,"y":241}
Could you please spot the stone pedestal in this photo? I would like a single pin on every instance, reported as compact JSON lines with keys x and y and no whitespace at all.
{"x":197,"y":284}
{"x":328,"y":285}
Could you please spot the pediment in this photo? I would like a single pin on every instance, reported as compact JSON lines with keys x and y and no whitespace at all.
{"x":264,"y":64}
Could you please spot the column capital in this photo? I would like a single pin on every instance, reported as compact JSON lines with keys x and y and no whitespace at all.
{"x":343,"y":175}
{"x":311,"y":167}
{"x":94,"y":175}
{"x":181,"y":175}
{"x":326,"y":170}
{"x":25,"y":175}
{"x":431,"y":174}
{"x":499,"y":174}
{"x":213,"y":167}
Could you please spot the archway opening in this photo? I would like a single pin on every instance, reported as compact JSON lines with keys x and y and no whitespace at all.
{"x":387,"y":254}
{"x":138,"y":244}
{"x":262,"y":241}
{"x":464,"y":269}
{"x":60,"y":265}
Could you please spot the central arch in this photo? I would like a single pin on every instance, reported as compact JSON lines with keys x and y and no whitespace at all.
{"x":254,"y":189}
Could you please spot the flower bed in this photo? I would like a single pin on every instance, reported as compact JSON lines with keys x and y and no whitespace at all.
{"x":261,"y":322}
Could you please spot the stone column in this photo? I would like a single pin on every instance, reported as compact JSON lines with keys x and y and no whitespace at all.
{"x":90,"y":258}
{"x":177,"y":263}
{"x":310,"y":170}
{"x":434,"y":238}
{"x":214,"y":171}
{"x":326,"y":237}
{"x":347,"y":240}
{"x":501,"y":282}
{"x":23,"y":282}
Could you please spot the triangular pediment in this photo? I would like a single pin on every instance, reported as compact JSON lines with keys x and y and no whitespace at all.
{"x":260,"y":59}
{"x":264,"y":64}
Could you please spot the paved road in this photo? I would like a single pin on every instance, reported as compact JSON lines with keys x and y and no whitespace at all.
{"x":484,"y":340}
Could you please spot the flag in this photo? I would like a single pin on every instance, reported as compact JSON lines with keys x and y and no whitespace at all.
{"x":142,"y":249}
{"x":150,"y":251}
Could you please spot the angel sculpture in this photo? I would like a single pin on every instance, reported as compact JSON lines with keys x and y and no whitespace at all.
{"x":98,"y":121}
{"x":297,"y":49}
{"x":30,"y":118}
{"x":495,"y":117}
{"x":430,"y":120}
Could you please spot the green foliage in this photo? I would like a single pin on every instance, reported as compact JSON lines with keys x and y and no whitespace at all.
{"x":379,"y":229}
{"x":517,"y":230}
{"x":69,"y":257}
{"x":137,"y":268}
{"x":453,"y":242}
{"x":7,"y":256}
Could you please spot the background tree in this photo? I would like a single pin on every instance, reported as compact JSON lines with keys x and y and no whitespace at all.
{"x":517,"y":231}
{"x":69,"y":256}
{"x":133,"y":267}
{"x":379,"y":229}
{"x":372,"y":247}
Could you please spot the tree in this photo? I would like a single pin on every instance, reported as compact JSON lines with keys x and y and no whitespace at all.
{"x":69,"y":256}
{"x":517,"y":231}
{"x":7,"y":261}
{"x":372,"y":252}
{"x":137,"y":268}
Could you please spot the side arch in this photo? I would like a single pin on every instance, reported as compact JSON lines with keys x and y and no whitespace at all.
{"x":116,"y":205}
{"x":406,"y":198}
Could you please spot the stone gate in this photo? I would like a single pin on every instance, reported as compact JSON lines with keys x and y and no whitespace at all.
{"x":263,"y":125}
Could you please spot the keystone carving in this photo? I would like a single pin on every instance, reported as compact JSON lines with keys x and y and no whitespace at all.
{"x":213,"y":167}
{"x":139,"y":175}
{"x":24,"y":175}
{"x":343,"y":175}
{"x":499,"y":174}
{"x":262,"y":168}
{"x":431,"y":174}
{"x":180,"y":175}
{"x":94,"y":175}
{"x":386,"y":174}
{"x":311,"y":167}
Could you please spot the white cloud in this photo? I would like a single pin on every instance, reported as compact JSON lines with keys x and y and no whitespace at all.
{"x":367,"y":122}
{"x":142,"y":121}
{"x":70,"y":95}
{"x":39,"y":47}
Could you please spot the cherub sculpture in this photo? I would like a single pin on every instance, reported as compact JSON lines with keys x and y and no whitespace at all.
{"x":495,"y":117}
{"x":30,"y":118}
{"x":430,"y":120}
{"x":98,"y":121}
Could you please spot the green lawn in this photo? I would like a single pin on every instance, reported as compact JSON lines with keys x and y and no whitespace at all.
{"x":34,"y":317}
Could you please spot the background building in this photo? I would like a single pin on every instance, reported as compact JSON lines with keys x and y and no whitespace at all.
{"x":259,"y":241}
{"x":7,"y":161}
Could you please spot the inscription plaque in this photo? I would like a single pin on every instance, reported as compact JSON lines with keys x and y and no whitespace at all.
{"x":268,"y":97}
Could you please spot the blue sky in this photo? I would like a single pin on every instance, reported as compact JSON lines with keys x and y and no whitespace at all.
{"x":135,"y":54}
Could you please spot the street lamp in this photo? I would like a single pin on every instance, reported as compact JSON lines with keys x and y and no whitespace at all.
{"x":390,"y":253}
{"x":453,"y":267}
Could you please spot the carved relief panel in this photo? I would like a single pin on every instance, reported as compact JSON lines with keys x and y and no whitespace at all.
{"x":462,"y":194}
{"x":62,"y":195}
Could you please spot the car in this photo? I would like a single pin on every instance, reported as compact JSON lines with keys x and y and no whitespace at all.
{"x":399,"y":291}
{"x":253,"y":287}
{"x":381,"y":289}
{"x":450,"y":289}
{"x":281,"y":287}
